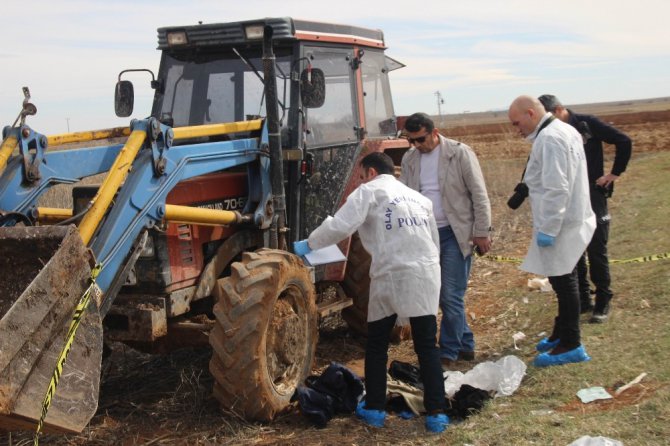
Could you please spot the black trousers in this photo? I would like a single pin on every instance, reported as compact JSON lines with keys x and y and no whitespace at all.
{"x":598,"y":268}
{"x":566,"y":324}
{"x":424,"y":335}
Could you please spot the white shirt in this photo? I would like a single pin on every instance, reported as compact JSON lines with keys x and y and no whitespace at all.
{"x":397,"y":228}
{"x":430,"y":186}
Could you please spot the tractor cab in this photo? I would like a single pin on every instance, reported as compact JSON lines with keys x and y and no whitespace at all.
{"x":332,"y":89}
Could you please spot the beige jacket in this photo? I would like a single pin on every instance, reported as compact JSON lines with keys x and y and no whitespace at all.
{"x":464,"y":197}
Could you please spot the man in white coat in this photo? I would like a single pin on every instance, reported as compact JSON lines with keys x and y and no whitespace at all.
{"x":563,"y":221}
{"x":397,"y":227}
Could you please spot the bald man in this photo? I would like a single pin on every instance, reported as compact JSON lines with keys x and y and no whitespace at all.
{"x":595,"y":132}
{"x":563,"y":221}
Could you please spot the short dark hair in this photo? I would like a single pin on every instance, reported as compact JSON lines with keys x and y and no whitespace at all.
{"x":550,"y":102}
{"x":380,"y":161}
{"x":418,"y":120}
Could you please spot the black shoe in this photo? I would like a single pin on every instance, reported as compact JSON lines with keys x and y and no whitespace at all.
{"x":600,"y":314}
{"x":464,"y":355}
{"x":585,"y":307}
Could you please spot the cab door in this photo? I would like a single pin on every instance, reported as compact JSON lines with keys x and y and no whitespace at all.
{"x":332,"y":134}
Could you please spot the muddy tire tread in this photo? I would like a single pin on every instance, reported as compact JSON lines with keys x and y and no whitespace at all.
{"x":245,"y":301}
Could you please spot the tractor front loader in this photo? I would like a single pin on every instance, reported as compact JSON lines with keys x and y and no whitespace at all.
{"x":254,"y":138}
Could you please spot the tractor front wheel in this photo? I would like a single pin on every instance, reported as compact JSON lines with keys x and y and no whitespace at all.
{"x":265,"y":334}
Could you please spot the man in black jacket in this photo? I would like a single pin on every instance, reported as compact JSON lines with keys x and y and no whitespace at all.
{"x":595,"y":132}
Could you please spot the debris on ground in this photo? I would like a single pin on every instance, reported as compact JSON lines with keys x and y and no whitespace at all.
{"x":502,"y":377}
{"x":593,"y":394}
{"x":625,"y":387}
{"x":595,"y":441}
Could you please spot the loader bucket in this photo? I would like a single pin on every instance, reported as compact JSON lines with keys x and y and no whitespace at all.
{"x":43,"y":273}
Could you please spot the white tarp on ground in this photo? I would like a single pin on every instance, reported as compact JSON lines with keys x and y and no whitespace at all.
{"x":595,"y":441}
{"x":502,"y":377}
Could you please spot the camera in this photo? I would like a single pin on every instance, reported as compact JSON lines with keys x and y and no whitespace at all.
{"x":606,"y":191}
{"x":520,"y":194}
{"x":584,"y":130}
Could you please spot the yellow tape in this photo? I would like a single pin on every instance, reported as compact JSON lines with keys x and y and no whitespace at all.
{"x":69,"y":339}
{"x":502,"y":259}
{"x":651,"y":258}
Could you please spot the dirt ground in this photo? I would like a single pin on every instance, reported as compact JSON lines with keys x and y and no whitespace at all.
{"x":166,"y":399}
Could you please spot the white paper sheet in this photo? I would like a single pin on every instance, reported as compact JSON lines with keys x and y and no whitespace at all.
{"x":329,"y":254}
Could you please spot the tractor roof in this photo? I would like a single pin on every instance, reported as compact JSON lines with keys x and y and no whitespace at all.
{"x":284,"y":29}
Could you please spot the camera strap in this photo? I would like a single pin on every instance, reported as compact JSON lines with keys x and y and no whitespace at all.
{"x":549,"y":120}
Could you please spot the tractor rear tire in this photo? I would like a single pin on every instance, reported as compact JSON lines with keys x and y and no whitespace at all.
{"x":356,"y":285}
{"x":265,"y":334}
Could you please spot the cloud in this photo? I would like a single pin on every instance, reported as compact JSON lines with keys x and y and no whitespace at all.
{"x":70,"y":52}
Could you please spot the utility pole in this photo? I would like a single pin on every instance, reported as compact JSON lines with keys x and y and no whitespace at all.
{"x":440,"y":101}
{"x":68,"y":124}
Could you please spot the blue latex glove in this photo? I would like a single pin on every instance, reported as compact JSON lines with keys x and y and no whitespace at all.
{"x":301,"y":247}
{"x":544,"y":240}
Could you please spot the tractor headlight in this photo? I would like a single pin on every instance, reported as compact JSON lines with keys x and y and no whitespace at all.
{"x":177,"y":38}
{"x":254,"y":32}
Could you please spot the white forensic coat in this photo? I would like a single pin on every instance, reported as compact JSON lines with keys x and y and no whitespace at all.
{"x":558,"y":187}
{"x":397,"y":227}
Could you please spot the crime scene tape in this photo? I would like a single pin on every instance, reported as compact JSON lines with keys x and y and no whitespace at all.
{"x":69,"y":338}
{"x":501,"y":258}
{"x":650,"y":258}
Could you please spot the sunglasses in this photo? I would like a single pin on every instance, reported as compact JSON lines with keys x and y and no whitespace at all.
{"x":420,"y":139}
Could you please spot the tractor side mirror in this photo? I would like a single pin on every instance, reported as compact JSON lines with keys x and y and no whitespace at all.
{"x":124,"y":97}
{"x":312,"y":88}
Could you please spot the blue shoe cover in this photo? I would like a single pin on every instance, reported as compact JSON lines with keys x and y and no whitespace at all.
{"x":437,"y":423}
{"x":575,"y":355}
{"x":370,"y":416}
{"x":406,"y":414}
{"x":545,"y":345}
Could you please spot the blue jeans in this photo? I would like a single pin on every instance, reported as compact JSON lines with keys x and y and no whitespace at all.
{"x":455,"y":333}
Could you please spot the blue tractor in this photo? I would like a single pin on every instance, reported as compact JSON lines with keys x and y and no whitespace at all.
{"x":253,"y":139}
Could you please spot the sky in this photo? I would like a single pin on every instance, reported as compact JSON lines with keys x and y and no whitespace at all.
{"x":479,"y":54}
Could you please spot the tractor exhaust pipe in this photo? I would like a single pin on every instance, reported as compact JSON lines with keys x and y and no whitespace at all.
{"x":274,"y":141}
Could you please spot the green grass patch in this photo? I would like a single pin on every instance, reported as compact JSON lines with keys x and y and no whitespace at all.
{"x":636,"y":338}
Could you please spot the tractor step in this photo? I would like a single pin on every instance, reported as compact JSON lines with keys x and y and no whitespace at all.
{"x":332,"y":306}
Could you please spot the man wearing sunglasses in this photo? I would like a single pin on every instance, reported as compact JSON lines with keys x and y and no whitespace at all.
{"x":448,"y":173}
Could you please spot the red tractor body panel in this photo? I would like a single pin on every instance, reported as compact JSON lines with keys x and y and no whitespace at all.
{"x":221,"y":191}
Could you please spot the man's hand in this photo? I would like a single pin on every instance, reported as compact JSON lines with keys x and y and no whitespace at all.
{"x":482,"y":244}
{"x":606,"y":180}
{"x":544,"y":240}
{"x":301,"y":248}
